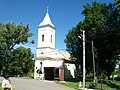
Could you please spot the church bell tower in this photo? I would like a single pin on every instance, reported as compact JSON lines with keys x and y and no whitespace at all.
{"x":46,"y":33}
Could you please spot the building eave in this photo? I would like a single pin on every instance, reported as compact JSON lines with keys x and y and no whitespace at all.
{"x":42,"y":26}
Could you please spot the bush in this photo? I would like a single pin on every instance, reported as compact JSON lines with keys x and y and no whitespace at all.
{"x":92,"y":85}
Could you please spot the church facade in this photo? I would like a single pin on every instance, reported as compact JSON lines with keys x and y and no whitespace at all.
{"x":51,"y":63}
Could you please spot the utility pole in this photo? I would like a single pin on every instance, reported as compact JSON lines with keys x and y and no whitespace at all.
{"x":83,"y":60}
{"x":94,"y":80}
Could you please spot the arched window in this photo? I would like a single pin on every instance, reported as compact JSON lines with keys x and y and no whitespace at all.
{"x":42,"y":37}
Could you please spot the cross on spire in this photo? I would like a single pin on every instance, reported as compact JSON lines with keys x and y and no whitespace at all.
{"x":47,"y":9}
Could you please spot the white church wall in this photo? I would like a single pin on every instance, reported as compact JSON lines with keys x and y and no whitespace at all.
{"x":47,"y":32}
{"x":46,"y":63}
{"x":49,"y":63}
{"x":48,"y":52}
{"x":69,"y":70}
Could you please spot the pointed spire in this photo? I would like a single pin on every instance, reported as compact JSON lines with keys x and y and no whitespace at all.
{"x":46,"y":20}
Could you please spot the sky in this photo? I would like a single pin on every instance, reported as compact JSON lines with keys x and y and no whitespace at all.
{"x":64,"y":14}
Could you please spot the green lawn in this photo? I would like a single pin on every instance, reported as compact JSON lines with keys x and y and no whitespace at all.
{"x":0,"y":86}
{"x":108,"y":85}
{"x":68,"y":84}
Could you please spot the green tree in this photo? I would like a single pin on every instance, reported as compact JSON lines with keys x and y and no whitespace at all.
{"x":11,"y":35}
{"x":112,"y":43}
{"x":22,"y":61}
{"x":105,"y":34}
{"x":74,"y":46}
{"x":94,"y":21}
{"x":101,"y":25}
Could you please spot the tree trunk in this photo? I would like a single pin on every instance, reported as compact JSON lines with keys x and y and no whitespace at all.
{"x":97,"y":69}
{"x":77,"y":73}
{"x":112,"y":76}
{"x":108,"y":77}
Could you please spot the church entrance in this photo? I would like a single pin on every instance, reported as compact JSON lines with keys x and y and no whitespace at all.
{"x":49,"y":73}
{"x":52,"y":73}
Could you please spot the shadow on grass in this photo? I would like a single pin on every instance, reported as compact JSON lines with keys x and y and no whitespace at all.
{"x":78,"y":79}
{"x":112,"y":85}
{"x":73,"y":79}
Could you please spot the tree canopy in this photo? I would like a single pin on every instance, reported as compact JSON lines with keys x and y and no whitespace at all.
{"x":101,"y":25}
{"x":22,"y":62}
{"x":11,"y":35}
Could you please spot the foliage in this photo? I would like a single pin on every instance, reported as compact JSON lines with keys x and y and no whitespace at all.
{"x":73,"y":43}
{"x":22,"y":61}
{"x":11,"y":35}
{"x":93,"y":85}
{"x":101,"y":25}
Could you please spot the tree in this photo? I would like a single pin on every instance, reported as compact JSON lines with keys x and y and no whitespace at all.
{"x":74,"y":46}
{"x":22,"y":61}
{"x":112,"y":44}
{"x":101,"y":24}
{"x":91,"y":13}
{"x":11,"y":35}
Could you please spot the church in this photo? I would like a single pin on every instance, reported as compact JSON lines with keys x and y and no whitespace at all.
{"x":51,"y":63}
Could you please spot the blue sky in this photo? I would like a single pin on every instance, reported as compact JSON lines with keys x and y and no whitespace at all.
{"x":64,"y":14}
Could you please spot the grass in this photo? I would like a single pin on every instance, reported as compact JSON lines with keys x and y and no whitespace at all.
{"x":68,"y":84}
{"x":107,"y":85}
{"x":0,"y":86}
{"x":111,"y":85}
{"x":72,"y":83}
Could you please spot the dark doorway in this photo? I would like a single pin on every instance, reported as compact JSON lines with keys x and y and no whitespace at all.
{"x":53,"y":73}
{"x":49,"y":73}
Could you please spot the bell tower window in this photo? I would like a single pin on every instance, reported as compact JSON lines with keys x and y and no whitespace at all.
{"x":51,"y":39}
{"x":42,"y":37}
